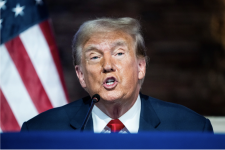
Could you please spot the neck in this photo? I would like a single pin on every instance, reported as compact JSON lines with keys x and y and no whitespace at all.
{"x":117,"y":108}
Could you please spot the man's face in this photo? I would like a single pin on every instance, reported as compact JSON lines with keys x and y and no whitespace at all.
{"x":110,"y":68}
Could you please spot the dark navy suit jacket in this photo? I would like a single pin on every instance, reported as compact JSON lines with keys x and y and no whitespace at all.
{"x":156,"y":115}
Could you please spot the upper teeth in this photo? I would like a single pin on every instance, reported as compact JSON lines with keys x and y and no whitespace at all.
{"x":110,"y":81}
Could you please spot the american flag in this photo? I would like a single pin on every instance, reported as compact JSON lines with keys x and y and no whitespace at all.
{"x":31,"y":79}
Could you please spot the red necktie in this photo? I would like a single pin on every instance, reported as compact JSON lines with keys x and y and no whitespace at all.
{"x":115,"y":125}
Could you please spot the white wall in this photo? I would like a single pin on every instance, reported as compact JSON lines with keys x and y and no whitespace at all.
{"x":218,"y":123}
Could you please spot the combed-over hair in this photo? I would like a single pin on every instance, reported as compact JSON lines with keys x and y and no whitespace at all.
{"x":87,"y":29}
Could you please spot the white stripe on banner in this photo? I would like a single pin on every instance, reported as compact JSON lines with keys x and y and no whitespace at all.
{"x":14,"y":90}
{"x":0,"y":130}
{"x":40,"y":55}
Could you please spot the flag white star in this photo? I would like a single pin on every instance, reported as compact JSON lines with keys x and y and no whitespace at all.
{"x":2,"y":4}
{"x":39,"y":2}
{"x":18,"y":10}
{"x":1,"y":20}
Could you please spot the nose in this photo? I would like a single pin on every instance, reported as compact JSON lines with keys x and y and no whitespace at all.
{"x":108,"y":65}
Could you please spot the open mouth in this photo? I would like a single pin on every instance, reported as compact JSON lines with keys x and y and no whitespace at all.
{"x":110,"y":83}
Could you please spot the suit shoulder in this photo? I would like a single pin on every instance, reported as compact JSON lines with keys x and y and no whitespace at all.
{"x":55,"y":117}
{"x":58,"y":111}
{"x":173,"y":109}
{"x":176,"y":117}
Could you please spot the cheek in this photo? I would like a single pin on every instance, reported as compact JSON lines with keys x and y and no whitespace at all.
{"x":92,"y":75}
{"x":129,"y":72}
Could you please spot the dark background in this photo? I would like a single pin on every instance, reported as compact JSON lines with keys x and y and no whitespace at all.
{"x":185,"y":41}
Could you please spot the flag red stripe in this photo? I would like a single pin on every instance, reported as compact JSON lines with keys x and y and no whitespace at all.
{"x":48,"y":34}
{"x":28,"y":74}
{"x":8,"y":120}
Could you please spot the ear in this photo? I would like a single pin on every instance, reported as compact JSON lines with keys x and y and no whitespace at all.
{"x":80,"y":75}
{"x":141,"y":68}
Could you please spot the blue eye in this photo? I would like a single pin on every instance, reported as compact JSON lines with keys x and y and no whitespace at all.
{"x":95,"y":57}
{"x":119,"y":54}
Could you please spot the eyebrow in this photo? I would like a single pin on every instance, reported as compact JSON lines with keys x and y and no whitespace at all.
{"x":113,"y":45}
{"x":119,"y":43}
{"x":90,"y":48}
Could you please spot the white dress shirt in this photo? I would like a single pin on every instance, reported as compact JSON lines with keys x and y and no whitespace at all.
{"x":130,"y":119}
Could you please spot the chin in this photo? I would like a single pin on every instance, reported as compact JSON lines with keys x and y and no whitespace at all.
{"x":111,"y":96}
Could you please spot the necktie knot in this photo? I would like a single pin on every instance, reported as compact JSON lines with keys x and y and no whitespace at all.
{"x":115,"y":125}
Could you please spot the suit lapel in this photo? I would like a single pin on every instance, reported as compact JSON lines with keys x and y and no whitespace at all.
{"x":78,"y":119}
{"x":148,"y":118}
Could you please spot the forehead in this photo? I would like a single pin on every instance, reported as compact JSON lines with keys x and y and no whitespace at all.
{"x":113,"y":38}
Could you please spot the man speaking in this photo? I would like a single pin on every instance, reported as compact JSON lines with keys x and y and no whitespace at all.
{"x":110,"y":60}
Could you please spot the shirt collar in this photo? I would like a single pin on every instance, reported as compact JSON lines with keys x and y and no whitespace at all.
{"x":130,"y":119}
{"x":100,"y":119}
